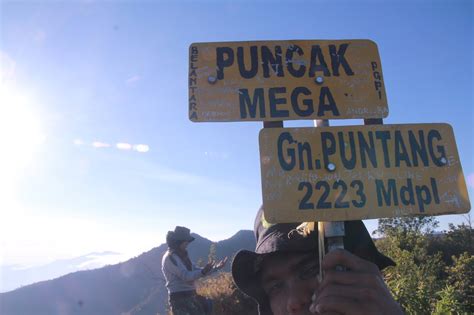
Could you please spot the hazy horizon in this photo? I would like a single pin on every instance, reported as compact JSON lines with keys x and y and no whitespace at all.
{"x":98,"y":153}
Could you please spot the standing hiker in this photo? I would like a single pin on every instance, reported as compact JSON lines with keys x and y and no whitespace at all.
{"x":180,"y":274}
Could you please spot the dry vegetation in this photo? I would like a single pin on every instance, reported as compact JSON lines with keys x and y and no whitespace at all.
{"x":227,"y":298}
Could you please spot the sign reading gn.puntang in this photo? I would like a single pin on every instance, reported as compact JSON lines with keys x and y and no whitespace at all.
{"x":285,"y":80}
{"x":360,"y":172}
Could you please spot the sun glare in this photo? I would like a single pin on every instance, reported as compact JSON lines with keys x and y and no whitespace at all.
{"x":21,"y":134}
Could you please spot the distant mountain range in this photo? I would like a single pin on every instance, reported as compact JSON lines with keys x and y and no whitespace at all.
{"x":15,"y":276}
{"x":133,"y":287}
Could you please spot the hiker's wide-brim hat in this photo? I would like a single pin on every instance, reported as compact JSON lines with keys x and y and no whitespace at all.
{"x":180,"y":233}
{"x":272,"y":238}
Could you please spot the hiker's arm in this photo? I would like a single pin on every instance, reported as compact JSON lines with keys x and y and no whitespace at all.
{"x":180,"y":270}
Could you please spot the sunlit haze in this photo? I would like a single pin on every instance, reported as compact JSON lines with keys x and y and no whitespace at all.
{"x":96,"y":149}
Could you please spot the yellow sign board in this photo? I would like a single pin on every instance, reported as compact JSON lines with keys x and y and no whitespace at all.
{"x":285,"y":80}
{"x":360,"y":172}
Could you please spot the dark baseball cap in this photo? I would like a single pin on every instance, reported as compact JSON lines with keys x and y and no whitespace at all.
{"x":282,"y":237}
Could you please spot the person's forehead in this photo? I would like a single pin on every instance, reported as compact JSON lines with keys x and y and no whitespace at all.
{"x":276,"y":266}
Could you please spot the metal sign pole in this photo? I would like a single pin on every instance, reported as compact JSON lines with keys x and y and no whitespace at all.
{"x":333,"y":231}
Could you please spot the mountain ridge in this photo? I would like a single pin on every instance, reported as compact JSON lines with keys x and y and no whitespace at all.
{"x":14,"y":276}
{"x":133,"y":287}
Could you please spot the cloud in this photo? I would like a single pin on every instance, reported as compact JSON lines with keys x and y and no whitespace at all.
{"x":30,"y":237}
{"x":213,"y":155}
{"x":78,"y":142}
{"x":123,"y":146}
{"x":98,"y":144}
{"x":142,"y":148}
{"x":97,"y":260}
{"x":15,"y":276}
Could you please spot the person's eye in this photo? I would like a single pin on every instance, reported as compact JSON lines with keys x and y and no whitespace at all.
{"x":273,"y":288}
{"x":309,"y":271}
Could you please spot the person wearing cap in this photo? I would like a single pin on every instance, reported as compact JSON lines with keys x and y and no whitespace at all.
{"x":180,"y":274}
{"x":281,"y":275}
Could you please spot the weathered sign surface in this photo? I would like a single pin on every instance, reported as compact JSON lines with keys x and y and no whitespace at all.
{"x":285,"y":80}
{"x":360,"y":172}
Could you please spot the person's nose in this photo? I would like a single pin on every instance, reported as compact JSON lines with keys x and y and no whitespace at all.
{"x":299,"y":299}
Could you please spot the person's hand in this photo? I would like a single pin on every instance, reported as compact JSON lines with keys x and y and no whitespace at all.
{"x":358,"y":290}
{"x":207,"y":268}
{"x":221,"y":264}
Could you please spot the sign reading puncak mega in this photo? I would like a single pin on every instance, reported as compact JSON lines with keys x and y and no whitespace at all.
{"x":360,"y":172}
{"x":285,"y":80}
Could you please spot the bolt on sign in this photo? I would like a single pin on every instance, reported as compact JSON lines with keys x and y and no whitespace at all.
{"x":285,"y":80}
{"x":360,"y":172}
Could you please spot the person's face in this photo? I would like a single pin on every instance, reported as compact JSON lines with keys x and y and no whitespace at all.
{"x":183,"y":245}
{"x":289,"y":280}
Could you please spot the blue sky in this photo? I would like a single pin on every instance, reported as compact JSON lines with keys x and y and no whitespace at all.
{"x":75,"y":73}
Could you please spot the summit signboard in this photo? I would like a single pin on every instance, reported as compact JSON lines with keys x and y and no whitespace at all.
{"x":360,"y":172}
{"x":326,"y":173}
{"x":285,"y":80}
